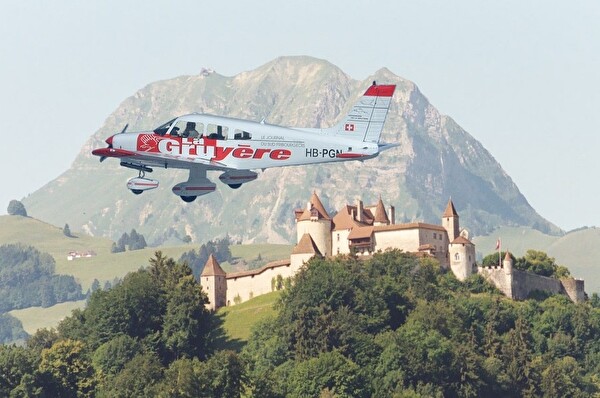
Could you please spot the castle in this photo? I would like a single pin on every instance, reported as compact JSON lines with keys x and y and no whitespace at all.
{"x":364,"y":230}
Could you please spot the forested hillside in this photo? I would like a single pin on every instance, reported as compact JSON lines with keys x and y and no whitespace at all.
{"x":27,"y":279}
{"x":391,"y":326}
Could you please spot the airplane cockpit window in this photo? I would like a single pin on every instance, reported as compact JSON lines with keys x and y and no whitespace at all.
{"x":162,"y":129}
{"x":217,"y":132}
{"x":187,"y":129}
{"x":241,"y":135}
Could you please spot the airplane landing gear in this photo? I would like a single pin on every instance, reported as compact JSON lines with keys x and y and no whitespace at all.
{"x":188,"y":199}
{"x":136,"y":191}
{"x":234,"y":186}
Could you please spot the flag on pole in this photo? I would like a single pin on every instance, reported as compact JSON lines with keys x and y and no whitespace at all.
{"x":499,"y":248}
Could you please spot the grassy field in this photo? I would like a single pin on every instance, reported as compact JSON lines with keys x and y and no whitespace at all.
{"x":238,"y":320}
{"x":35,"y":318}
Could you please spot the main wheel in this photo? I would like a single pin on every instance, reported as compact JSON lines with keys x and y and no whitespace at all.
{"x":188,"y":199}
{"x":235,"y":186}
{"x":136,"y":191}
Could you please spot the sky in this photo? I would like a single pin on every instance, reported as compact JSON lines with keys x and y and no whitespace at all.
{"x":522,"y":77}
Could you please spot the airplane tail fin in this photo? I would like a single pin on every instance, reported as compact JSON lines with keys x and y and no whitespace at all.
{"x":365,"y":120}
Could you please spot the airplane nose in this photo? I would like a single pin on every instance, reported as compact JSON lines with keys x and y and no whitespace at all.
{"x":109,"y":140}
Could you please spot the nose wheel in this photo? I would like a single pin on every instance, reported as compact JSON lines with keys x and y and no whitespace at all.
{"x":187,"y":199}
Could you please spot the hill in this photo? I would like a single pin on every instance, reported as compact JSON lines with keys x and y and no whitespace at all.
{"x":436,"y":159}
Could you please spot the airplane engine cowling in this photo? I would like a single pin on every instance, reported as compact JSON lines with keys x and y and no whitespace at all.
{"x":236,"y":177}
{"x":194,"y":188}
{"x":140,"y":184}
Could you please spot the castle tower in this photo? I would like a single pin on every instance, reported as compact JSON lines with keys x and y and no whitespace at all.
{"x":450,"y":221}
{"x":381,"y":217}
{"x":302,"y":252}
{"x":214,"y":282}
{"x":315,"y":221}
{"x":462,"y":257}
{"x":507,"y":263}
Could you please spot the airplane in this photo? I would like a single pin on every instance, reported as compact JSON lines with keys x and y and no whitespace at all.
{"x":202,"y":142}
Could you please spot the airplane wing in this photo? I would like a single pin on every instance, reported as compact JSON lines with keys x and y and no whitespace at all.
{"x":158,"y":159}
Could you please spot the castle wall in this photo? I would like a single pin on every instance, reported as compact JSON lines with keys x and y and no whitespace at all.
{"x":499,"y":278}
{"x":339,"y":242}
{"x":574,"y":288}
{"x":405,"y":239}
{"x":520,"y":284}
{"x":525,"y":282}
{"x":249,"y":284}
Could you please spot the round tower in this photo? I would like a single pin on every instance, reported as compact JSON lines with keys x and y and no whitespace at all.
{"x":315,"y":221}
{"x":462,"y":257}
{"x":507,"y":263}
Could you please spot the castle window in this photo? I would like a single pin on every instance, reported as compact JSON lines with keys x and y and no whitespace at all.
{"x":457,"y":256}
{"x":338,"y":237}
{"x":440,"y":236}
{"x":434,"y":235}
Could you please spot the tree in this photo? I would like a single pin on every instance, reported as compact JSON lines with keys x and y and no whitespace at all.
{"x":110,"y":358}
{"x":16,"y":208}
{"x":329,"y":372}
{"x":187,"y":321}
{"x":70,"y":371}
{"x":137,"y":379}
{"x":67,"y":231}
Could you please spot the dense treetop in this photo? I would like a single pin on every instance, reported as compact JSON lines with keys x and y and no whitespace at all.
{"x":390,"y":326}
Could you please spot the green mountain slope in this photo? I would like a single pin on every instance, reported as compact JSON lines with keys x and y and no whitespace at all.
{"x":436,"y":159}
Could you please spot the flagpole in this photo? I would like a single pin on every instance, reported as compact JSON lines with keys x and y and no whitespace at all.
{"x":499,"y":253}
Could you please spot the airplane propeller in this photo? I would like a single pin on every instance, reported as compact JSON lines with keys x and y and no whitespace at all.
{"x":103,"y":158}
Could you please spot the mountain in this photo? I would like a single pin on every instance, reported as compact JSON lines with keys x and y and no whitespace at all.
{"x":436,"y":159}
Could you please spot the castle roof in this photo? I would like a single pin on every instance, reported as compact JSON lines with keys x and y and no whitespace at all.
{"x":412,"y":225}
{"x":461,"y":240}
{"x":360,"y":233}
{"x":380,"y":213}
{"x":344,"y":220}
{"x":507,"y":256}
{"x":317,"y":209}
{"x":212,"y":267}
{"x":258,"y":271}
{"x":306,"y":246}
{"x":450,"y":210}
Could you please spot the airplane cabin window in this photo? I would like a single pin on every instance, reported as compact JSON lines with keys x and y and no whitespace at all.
{"x":217,"y":132}
{"x":241,"y":135}
{"x":162,"y":129}
{"x":189,"y":129}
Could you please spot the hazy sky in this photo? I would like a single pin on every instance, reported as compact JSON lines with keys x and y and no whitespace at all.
{"x":522,"y":77}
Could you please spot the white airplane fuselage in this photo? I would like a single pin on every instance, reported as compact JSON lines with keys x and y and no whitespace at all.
{"x":269,"y":146}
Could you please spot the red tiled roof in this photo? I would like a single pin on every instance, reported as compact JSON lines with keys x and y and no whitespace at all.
{"x":212,"y":267}
{"x":450,"y":210}
{"x":380,"y":213}
{"x":317,"y":206}
{"x":461,"y":240}
{"x":273,"y":264}
{"x":306,"y":246}
{"x":360,"y":233}
{"x":412,"y":225}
